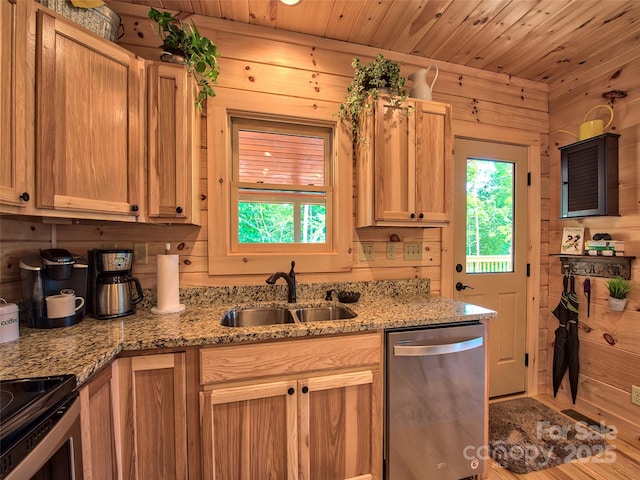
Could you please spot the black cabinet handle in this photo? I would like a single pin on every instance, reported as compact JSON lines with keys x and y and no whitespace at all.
{"x":134,"y":208}
{"x":413,"y":215}
{"x":291,"y":391}
{"x":305,"y":389}
{"x":25,"y":196}
{"x":178,"y":209}
{"x":421,"y":215}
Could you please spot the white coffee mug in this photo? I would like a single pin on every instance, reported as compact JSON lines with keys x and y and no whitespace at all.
{"x":8,"y":321}
{"x":63,"y":305}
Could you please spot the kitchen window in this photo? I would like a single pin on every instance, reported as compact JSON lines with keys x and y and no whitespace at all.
{"x":280,"y":187}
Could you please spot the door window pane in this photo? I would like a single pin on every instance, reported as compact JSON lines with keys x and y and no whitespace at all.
{"x":490,"y":218}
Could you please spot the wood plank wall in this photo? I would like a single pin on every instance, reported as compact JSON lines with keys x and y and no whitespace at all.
{"x":262,"y":59}
{"x":609,"y":341}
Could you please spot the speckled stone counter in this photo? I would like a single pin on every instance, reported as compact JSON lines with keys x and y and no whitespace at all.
{"x":84,"y":348}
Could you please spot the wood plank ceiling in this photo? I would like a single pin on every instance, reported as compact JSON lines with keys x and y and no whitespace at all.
{"x":540,"y":40}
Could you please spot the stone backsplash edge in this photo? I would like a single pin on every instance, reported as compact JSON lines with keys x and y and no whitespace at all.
{"x":368,"y":289}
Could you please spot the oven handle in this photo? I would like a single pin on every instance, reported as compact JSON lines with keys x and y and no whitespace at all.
{"x":437,"y":349}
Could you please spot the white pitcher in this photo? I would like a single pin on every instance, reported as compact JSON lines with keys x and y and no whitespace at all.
{"x":421,"y":89}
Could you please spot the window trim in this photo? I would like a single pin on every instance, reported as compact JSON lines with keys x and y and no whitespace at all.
{"x":299,"y":127}
{"x":222,"y":259}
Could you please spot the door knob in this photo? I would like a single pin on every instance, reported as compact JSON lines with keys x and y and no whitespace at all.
{"x":461,"y":286}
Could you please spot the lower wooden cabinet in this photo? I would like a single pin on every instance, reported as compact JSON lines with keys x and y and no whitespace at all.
{"x":99,"y":459}
{"x":153,"y":416}
{"x":297,"y":409}
{"x":311,"y":425}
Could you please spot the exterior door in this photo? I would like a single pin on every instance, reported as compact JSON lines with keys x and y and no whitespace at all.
{"x":490,"y":250}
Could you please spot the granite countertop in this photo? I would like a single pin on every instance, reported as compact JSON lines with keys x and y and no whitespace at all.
{"x":84,"y":348}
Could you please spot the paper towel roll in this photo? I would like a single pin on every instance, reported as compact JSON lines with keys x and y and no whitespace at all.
{"x":168,"y":285}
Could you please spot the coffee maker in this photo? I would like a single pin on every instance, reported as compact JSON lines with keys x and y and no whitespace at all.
{"x":53,"y":282}
{"x":113,"y":292}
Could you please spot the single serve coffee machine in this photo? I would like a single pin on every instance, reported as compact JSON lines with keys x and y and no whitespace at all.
{"x":54,"y":287}
{"x":113,"y":291}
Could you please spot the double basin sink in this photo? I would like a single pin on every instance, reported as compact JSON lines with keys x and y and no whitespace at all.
{"x":278,"y":315}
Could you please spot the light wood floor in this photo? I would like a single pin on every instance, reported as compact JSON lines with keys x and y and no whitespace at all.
{"x":621,"y":463}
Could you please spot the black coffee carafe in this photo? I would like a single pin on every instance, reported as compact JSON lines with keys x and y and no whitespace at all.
{"x":113,"y":291}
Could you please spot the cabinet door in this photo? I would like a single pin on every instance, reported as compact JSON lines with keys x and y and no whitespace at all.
{"x":250,"y":432}
{"x":173,"y":148}
{"x":341,"y":426}
{"x":433,"y":162}
{"x":12,"y":156}
{"x":395,"y":175}
{"x":98,"y":432}
{"x":89,"y":144}
{"x":152,"y":416}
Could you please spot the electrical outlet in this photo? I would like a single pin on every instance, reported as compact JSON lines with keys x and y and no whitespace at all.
{"x":635,"y":395}
{"x":413,"y":251}
{"x":391,"y":250}
{"x":367,"y":252}
{"x":140,"y":253}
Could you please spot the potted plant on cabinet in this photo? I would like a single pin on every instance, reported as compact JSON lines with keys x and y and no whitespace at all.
{"x":380,"y":75}
{"x":183,"y":44}
{"x":618,"y":290}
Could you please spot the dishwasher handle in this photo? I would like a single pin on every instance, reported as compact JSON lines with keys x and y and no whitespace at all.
{"x":436,"y":349}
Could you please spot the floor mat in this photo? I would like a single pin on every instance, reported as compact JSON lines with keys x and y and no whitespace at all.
{"x":526,"y":435}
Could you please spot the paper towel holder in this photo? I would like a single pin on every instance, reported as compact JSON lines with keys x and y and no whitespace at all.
{"x":168,"y":292}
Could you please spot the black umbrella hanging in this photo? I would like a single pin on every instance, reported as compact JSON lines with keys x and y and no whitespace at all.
{"x":560,"y":359}
{"x":572,"y":341}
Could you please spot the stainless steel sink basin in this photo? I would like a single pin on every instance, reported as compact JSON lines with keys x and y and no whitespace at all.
{"x":257,"y":317}
{"x":320,"y":314}
{"x":270,"y":316}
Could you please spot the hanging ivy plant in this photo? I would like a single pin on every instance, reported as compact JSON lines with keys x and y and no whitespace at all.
{"x":199,"y":53}
{"x":369,"y":80}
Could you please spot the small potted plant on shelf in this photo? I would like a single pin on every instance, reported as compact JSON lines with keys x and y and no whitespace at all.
{"x":183,"y":44}
{"x":618,"y":291}
{"x":380,"y":75}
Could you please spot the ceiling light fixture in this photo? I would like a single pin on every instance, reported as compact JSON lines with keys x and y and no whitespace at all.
{"x":290,"y":2}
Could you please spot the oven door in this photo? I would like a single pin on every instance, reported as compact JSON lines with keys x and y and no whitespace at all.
{"x":58,"y":456}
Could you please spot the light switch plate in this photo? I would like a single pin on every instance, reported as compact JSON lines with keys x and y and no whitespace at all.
{"x":412,"y":251}
{"x":635,"y":395}
{"x":367,"y":251}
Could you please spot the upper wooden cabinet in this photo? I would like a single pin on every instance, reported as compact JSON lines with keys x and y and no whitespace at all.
{"x":89,"y":123}
{"x":404,"y":165}
{"x":173,"y":124}
{"x":13,"y":189}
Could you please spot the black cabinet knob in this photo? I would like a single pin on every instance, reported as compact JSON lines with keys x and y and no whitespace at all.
{"x":291,"y":391}
{"x":25,"y":196}
{"x":413,"y":215}
{"x":421,"y":215}
{"x":305,"y":389}
{"x":178,"y":209}
{"x":134,"y":208}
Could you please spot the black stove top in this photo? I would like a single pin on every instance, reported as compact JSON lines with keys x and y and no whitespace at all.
{"x":24,"y":400}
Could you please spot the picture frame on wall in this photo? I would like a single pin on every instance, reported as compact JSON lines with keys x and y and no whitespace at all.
{"x":572,"y":241}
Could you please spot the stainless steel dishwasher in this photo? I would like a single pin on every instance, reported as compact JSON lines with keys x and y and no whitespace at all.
{"x":435,"y":403}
